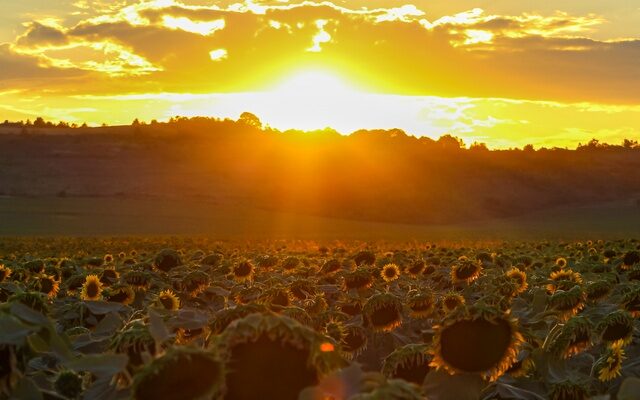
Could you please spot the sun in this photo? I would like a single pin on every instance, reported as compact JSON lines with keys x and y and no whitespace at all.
{"x":311,"y":99}
{"x":314,"y":84}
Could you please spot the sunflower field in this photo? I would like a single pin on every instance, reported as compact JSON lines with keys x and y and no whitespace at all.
{"x":195,"y":318}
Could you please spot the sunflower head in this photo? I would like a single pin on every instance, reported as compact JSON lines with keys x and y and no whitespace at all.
{"x":568,"y":303}
{"x":225,"y":317}
{"x":563,"y":280}
{"x":334,"y":329}
{"x":243,"y":271}
{"x":121,"y":293}
{"x":168,"y":300}
{"x":465,"y":271}
{"x":5,"y":273}
{"x":561,"y":262}
{"x":390,"y":272}
{"x":421,"y":303}
{"x":166,"y":260}
{"x":277,"y":297}
{"x":631,"y":301}
{"x":330,"y":266}
{"x":68,"y":384}
{"x":616,"y":328}
{"x":568,"y":390}
{"x":451,"y":301}
{"x":416,"y":268}
{"x":518,"y":278}
{"x":47,"y":285}
{"x":109,"y":276}
{"x":134,"y":340}
{"x":598,"y":290}
{"x":359,"y":279}
{"x":252,"y":346}
{"x":478,"y":340}
{"x":34,"y":300}
{"x":609,"y":365}
{"x":302,"y":288}
{"x":354,"y":341}
{"x":383,"y":312}
{"x":574,"y":337}
{"x":409,"y":362}
{"x":181,"y":373}
{"x":316,"y":304}
{"x":195,"y":282}
{"x":92,"y":288}
{"x":140,"y":280}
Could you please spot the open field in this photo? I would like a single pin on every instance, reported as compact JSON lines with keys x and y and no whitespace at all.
{"x":130,"y":216}
{"x":194,"y":318}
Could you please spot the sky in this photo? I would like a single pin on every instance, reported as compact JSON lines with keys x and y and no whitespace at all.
{"x":502,"y":72}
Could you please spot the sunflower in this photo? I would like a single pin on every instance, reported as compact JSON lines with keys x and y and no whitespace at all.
{"x":359,"y":279}
{"x":416,"y":269}
{"x":243,"y":271}
{"x":451,"y":301}
{"x":478,"y":340}
{"x":166,"y":260}
{"x":168,"y":300}
{"x":383,"y":312}
{"x":134,"y":340}
{"x":47,"y":285}
{"x":519,"y":278}
{"x":185,"y":335}
{"x":92,"y":288}
{"x":465,"y":271}
{"x":195,"y":282}
{"x":302,"y":288}
{"x":409,"y":362}
{"x":277,"y":297}
{"x":68,"y":384}
{"x":182,"y":373}
{"x":140,"y":280}
{"x":616,"y":328}
{"x":109,"y":276}
{"x":568,"y":303}
{"x":354,"y":341}
{"x":390,"y":272}
{"x":421,"y":303}
{"x":280,"y":356}
{"x":598,"y":290}
{"x":563,"y":280}
{"x":123,"y":294}
{"x":561,"y":262}
{"x":631,"y":300}
{"x":572,"y":338}
{"x":522,"y":367}
{"x":609,"y":366}
{"x":335,"y":330}
{"x":330,"y":266}
{"x":568,"y":390}
{"x":5,"y":272}
{"x":108,"y":258}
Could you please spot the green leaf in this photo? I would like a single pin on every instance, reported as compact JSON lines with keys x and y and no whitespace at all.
{"x":630,"y":389}
{"x":26,"y":389}
{"x":157,"y":328}
{"x":99,"y":364}
{"x":12,"y":331}
{"x":439,"y":385}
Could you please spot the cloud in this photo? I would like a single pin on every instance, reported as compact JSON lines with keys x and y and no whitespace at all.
{"x":391,"y":50}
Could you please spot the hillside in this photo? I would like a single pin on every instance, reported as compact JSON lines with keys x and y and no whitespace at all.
{"x":381,"y":176}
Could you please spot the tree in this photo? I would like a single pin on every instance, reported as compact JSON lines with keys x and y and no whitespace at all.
{"x":250,"y":119}
{"x":450,"y":142}
{"x":136,"y":122}
{"x":39,"y":123}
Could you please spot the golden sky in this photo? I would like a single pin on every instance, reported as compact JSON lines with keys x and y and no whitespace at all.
{"x":503,"y":72}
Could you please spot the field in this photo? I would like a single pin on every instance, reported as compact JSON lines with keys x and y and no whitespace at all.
{"x":194,"y":318}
